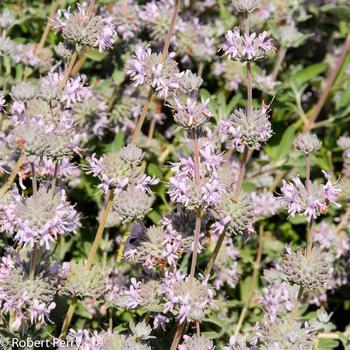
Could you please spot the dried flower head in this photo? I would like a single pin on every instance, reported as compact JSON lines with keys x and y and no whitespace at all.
{"x":310,"y":271}
{"x":286,"y":334}
{"x":81,"y":283}
{"x":235,"y":217}
{"x":237,"y":343}
{"x":133,"y":204}
{"x":23,"y":91}
{"x":344,"y":143}
{"x":6,"y":19}
{"x":247,"y":47}
{"x":28,"y":297}
{"x":192,"y":114}
{"x":7,"y":47}
{"x":196,"y":343}
{"x":141,"y":331}
{"x":249,"y":129}
{"x":86,"y":340}
{"x":245,"y":6}
{"x":38,"y":141}
{"x":182,"y":223}
{"x":307,"y":143}
{"x":151,"y":248}
{"x":40,"y":218}
{"x":190,"y":82}
{"x":64,"y":50}
{"x":289,"y":36}
{"x":131,"y":154}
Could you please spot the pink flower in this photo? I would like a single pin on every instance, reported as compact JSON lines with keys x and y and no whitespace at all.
{"x":248,"y":48}
{"x":231,"y":46}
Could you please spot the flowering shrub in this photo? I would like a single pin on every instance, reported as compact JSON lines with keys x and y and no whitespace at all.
{"x":175,"y":174}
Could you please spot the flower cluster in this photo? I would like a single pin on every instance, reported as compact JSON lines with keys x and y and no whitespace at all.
{"x":86,"y":340}
{"x":83,"y":28}
{"x":310,"y":271}
{"x":82,"y":283}
{"x":187,"y":300}
{"x":40,"y":219}
{"x":247,"y":129}
{"x":265,"y":204}
{"x":285,"y":334}
{"x":167,"y":151}
{"x":307,"y":143}
{"x":151,"y":69}
{"x":235,"y":217}
{"x":155,"y":248}
{"x":183,"y":189}
{"x":29,"y":299}
{"x":192,"y":114}
{"x":118,"y":170}
{"x":247,"y":47}
{"x":311,"y":203}
{"x":196,"y":343}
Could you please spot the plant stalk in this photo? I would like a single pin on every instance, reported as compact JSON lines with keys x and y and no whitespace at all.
{"x":332,"y":75}
{"x":308,"y":239}
{"x":68,"y":71}
{"x":53,"y":8}
{"x":68,"y":318}
{"x":34,"y":181}
{"x":142,"y":118}
{"x":241,"y":174}
{"x":33,"y":262}
{"x":198,"y":211}
{"x":54,"y":179}
{"x":197,"y":227}
{"x":13,"y":175}
{"x":100,"y":229}
{"x":279,"y":61}
{"x":179,"y":330}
